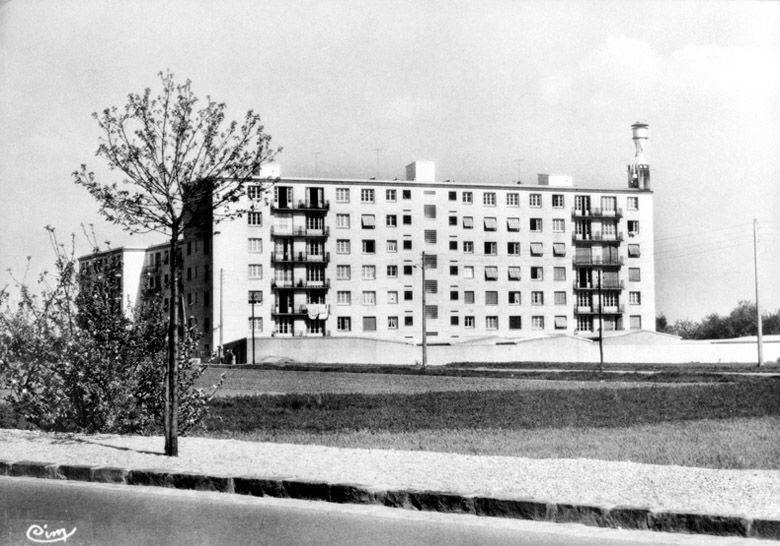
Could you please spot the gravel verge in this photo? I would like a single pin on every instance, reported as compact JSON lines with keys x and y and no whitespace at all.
{"x":742,"y":493}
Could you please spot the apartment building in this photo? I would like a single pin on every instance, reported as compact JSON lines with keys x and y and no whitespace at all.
{"x":373,"y":258}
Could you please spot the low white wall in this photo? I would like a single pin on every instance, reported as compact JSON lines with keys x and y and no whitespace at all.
{"x":552,"y":349}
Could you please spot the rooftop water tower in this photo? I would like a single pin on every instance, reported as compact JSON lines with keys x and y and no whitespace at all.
{"x":639,"y":169}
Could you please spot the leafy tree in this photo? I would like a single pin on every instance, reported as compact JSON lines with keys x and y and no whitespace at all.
{"x":182,"y":169}
{"x":740,"y":322}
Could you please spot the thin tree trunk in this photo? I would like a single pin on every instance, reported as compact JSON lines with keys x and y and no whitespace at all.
{"x":171,"y":376}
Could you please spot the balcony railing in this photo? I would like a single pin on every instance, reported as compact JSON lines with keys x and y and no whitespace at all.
{"x":596,"y":213}
{"x":302,"y":205}
{"x":300,"y":310}
{"x":595,"y":332}
{"x":601,"y":261}
{"x":277,"y":231}
{"x":594,"y":309}
{"x":596,"y":238}
{"x":300,"y":257}
{"x":301,"y":284}
{"x":605,"y":285}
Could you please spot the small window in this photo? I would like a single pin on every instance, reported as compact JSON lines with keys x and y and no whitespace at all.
{"x":453,"y":295}
{"x":392,"y":323}
{"x":369,"y":246}
{"x":453,"y":244}
{"x":255,"y":324}
{"x":559,"y":273}
{"x":406,"y":194}
{"x":369,"y":324}
{"x":632,"y":203}
{"x":453,"y":270}
{"x":514,"y":273}
{"x":491,"y":297}
{"x":342,"y":221}
{"x":343,"y":272}
{"x":369,"y":297}
{"x":560,"y":322}
{"x":454,"y":320}
{"x":491,"y":248}
{"x":431,"y":286}
{"x":391,"y":246}
{"x":452,"y":195}
{"x":255,"y":246}
{"x":537,"y":273}
{"x":390,"y":195}
{"x":515,"y":322}
{"x":431,"y":261}
{"x":489,"y":199}
{"x":491,"y":273}
{"x":537,"y":249}
{"x":429,"y":236}
{"x":391,"y":221}
{"x":255,"y":271}
{"x":342,"y":246}
{"x":559,"y":298}
{"x":254,"y":218}
{"x":408,"y":320}
{"x":633,"y":251}
{"x":407,"y":244}
{"x":513,"y":249}
{"x":634,"y":274}
{"x":633,"y":228}
{"x":453,"y":220}
{"x":635,"y":322}
{"x":535,"y":200}
{"x":536,"y":224}
{"x":408,"y":295}
{"x":513,"y":224}
{"x":468,"y":247}
{"x":537,"y":323}
{"x":514,"y":297}
{"x":256,"y":296}
{"x":468,"y":197}
{"x":344,"y":297}
{"x":559,"y":249}
{"x":367,"y":221}
{"x":342,"y":195}
{"x":557,"y":201}
{"x":429,"y":211}
{"x":366,"y":195}
{"x":558,"y":225}
{"x":491,"y":323}
{"x":408,"y":270}
{"x":392,"y":271}
{"x":491,"y":224}
{"x":468,"y":321}
{"x":468,"y":271}
{"x":635,"y":298}
{"x":537,"y":298}
{"x":392,"y":297}
{"x":407,"y":219}
{"x":432,"y":312}
{"x":468,"y":222}
{"x":369,"y":272}
{"x":513,"y":199}
{"x":468,"y":297}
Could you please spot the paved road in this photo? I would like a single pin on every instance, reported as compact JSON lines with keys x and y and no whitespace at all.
{"x":84,"y":513}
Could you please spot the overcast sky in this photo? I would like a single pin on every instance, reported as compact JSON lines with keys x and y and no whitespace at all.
{"x":473,"y":86}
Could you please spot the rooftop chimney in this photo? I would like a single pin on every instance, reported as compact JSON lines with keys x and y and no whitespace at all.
{"x":639,"y":169}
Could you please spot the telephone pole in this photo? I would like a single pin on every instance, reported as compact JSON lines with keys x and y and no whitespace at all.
{"x":424,"y":331}
{"x":601,"y":325}
{"x":221,"y":324}
{"x":759,"y":339}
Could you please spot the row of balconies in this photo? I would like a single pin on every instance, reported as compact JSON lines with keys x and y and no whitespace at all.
{"x":596,"y":213}
{"x":278,"y":284}
{"x":302,"y":205}
{"x":300,"y":257}
{"x":595,"y":310}
{"x":276,"y":231}
{"x":596,"y":238}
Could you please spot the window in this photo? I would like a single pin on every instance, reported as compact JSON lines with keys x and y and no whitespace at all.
{"x":513,"y":224}
{"x":468,"y":271}
{"x":407,"y":270}
{"x":342,"y":246}
{"x":452,"y":195}
{"x":537,"y":298}
{"x":536,"y":224}
{"x":468,"y":222}
{"x":632,"y":203}
{"x":391,"y":246}
{"x":390,"y":195}
{"x":454,"y":244}
{"x":558,"y":225}
{"x":608,"y":229}
{"x":392,"y":323}
{"x":391,"y":220}
{"x":537,"y":249}
{"x":453,"y":220}
{"x":468,"y":197}
{"x":490,"y":224}
{"x":369,"y":324}
{"x":407,"y":244}
{"x":369,"y":272}
{"x":408,"y":320}
{"x":633,"y":251}
{"x":608,"y":204}
{"x":369,"y":246}
{"x":408,"y":295}
{"x":343,"y":272}
{"x":537,"y":273}
{"x":560,"y":322}
{"x":254,"y":218}
{"x":406,"y":194}
{"x":584,"y":323}
{"x":431,"y":286}
{"x":491,"y":297}
{"x":491,"y":248}
{"x":468,"y":321}
{"x":514,"y":297}
{"x":407,"y":219}
{"x":468,"y":247}
{"x":557,"y":201}
{"x":189,"y":248}
{"x":454,"y":320}
{"x":369,"y":297}
{"x":635,"y":298}
{"x":255,"y":271}
{"x":489,"y":199}
{"x":254,"y":192}
{"x":633,"y":227}
{"x":367,"y":221}
{"x":491,"y":323}
{"x":635,"y":322}
{"x":255,"y":246}
{"x":491,"y":273}
{"x":256,"y":324}
{"x":342,"y":221}
{"x":515,"y":322}
{"x":559,"y":249}
{"x":513,"y":249}
{"x":431,"y":261}
{"x":535,"y":200}
{"x":559,"y":273}
{"x":513,"y":199}
{"x":255,"y":296}
{"x":559,"y":298}
{"x":429,"y":211}
{"x":429,"y":236}
{"x":634,"y":274}
{"x":366,"y":195}
{"x":392,"y":271}
{"x":342,"y":195}
{"x":514,"y":273}
{"x":453,"y":295}
{"x":537,"y":323}
{"x":432,"y":311}
{"x":468,"y":296}
{"x":344,"y":297}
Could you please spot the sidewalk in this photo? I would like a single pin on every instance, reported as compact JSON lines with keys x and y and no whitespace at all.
{"x":602,"y":493}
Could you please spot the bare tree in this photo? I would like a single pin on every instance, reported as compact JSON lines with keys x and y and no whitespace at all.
{"x":182,"y":169}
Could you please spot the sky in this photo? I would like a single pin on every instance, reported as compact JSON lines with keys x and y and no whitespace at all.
{"x":490,"y":91}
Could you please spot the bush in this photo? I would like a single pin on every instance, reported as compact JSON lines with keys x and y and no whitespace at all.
{"x":75,"y":362}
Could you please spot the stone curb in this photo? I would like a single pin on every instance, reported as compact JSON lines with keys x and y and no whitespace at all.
{"x":618,"y":517}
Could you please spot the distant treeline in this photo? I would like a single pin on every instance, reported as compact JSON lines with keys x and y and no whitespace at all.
{"x":741,"y":321}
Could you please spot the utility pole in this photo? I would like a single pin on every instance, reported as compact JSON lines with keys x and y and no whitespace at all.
{"x":424,"y":331}
{"x":759,"y":339}
{"x":252,"y":300}
{"x":221,"y":324}
{"x":601,"y":326}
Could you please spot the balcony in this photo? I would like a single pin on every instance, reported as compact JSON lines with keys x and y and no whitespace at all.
{"x":323,"y":232}
{"x":300,"y":257}
{"x":299,"y":284}
{"x":588,"y":238}
{"x":595,"y":333}
{"x":309,"y":206}
{"x":594,"y":310}
{"x":292,"y":311}
{"x":605,"y":285}
{"x":613,"y":261}
{"x":596,"y":213}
